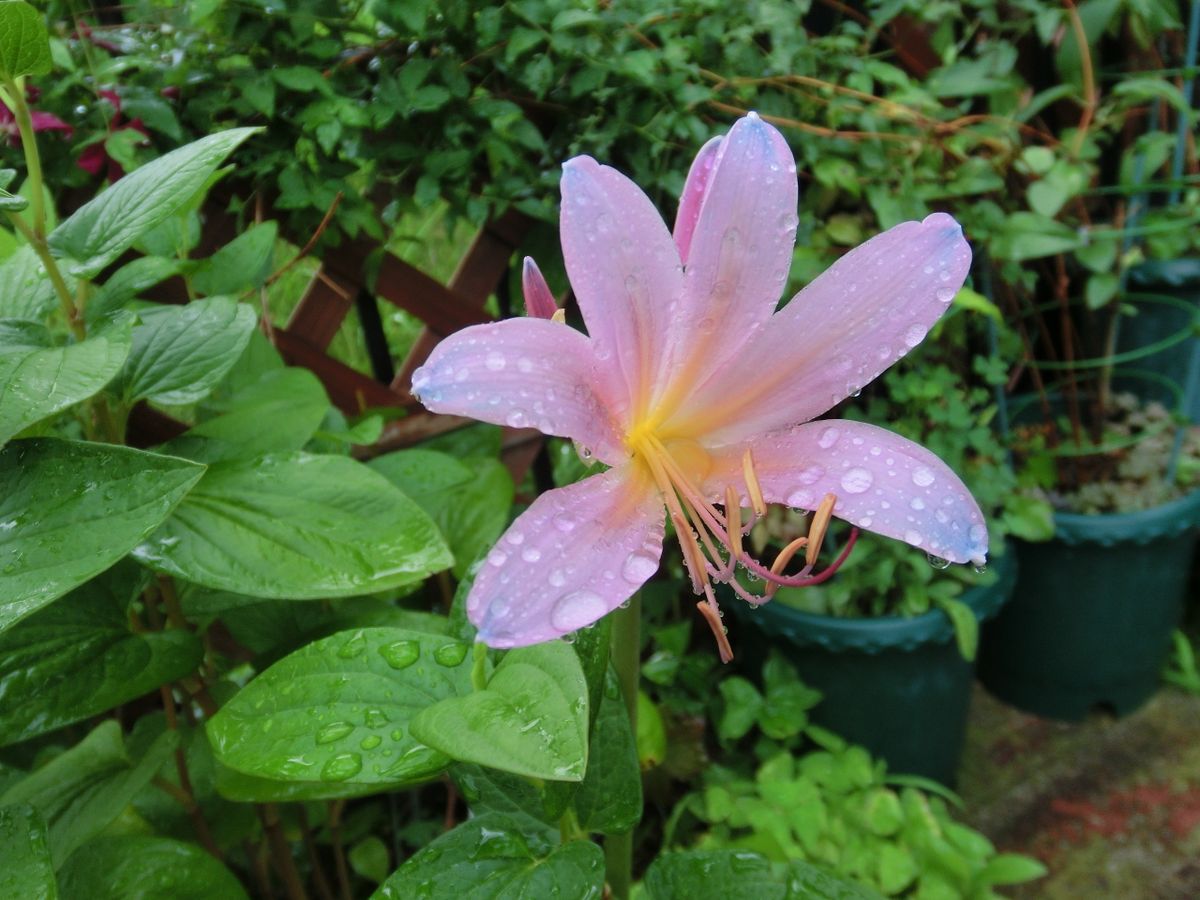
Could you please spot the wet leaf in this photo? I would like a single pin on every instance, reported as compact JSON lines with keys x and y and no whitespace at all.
{"x":24,"y":41}
{"x":70,"y":510}
{"x":78,"y":658}
{"x":296,"y":526}
{"x":491,"y":857}
{"x":118,"y":867}
{"x":339,"y":710}
{"x":27,"y":871}
{"x":609,"y":800}
{"x":530,"y":720}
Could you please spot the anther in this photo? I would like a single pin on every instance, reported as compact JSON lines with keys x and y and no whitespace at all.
{"x":820,"y":525}
{"x":753,"y":488}
{"x":713,"y":618}
{"x":560,"y":317}
{"x":786,"y":554}
{"x":733,"y":522}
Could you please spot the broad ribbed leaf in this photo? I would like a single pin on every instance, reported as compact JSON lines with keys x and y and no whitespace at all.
{"x":118,"y":867}
{"x":24,"y":42}
{"x":339,"y":710}
{"x":27,"y":870}
{"x":78,"y":658}
{"x":296,"y":526}
{"x":70,"y":510}
{"x":104,"y":228}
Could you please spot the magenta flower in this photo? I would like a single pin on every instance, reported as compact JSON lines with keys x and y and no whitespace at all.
{"x":699,"y":394}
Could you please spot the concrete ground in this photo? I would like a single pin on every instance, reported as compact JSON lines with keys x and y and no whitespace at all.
{"x":1111,"y":806}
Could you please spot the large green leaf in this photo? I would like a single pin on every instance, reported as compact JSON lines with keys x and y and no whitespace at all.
{"x":180,"y":352}
{"x":739,"y":875}
{"x":120,"y":867}
{"x":298,"y":526}
{"x":104,"y":228}
{"x":242,"y":264}
{"x":492,"y":857}
{"x":70,"y":510}
{"x":24,"y":41}
{"x":25,"y":290}
{"x":339,"y":710}
{"x":78,"y":658}
{"x":468,"y":500}
{"x":128,"y":282}
{"x":27,"y":870}
{"x":83,"y":789}
{"x":532,"y":719}
{"x":38,"y":380}
{"x":610,"y":798}
{"x":280,"y":412}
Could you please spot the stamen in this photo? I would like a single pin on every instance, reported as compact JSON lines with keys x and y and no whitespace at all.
{"x":786,"y":554}
{"x":708,"y":609}
{"x":559,"y":316}
{"x":820,"y":525}
{"x":752,"y":486}
{"x":733,"y":521}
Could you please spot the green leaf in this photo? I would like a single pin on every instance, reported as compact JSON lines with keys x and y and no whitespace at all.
{"x":531,"y":719}
{"x":129,"y":282}
{"x":339,"y":710}
{"x":119,"y":867}
{"x":966,"y":626}
{"x":1011,"y":868}
{"x":242,"y":264}
{"x":104,"y":228}
{"x":896,"y":868}
{"x":70,"y":510}
{"x":729,"y":874}
{"x":242,"y":788}
{"x":469,"y":500}
{"x":491,"y":857}
{"x":651,"y":733}
{"x":742,"y":704}
{"x":25,"y":289}
{"x":24,"y":41}
{"x":807,"y":881}
{"x":78,"y":658}
{"x":492,"y":791}
{"x":976,"y":302}
{"x":609,"y":800}
{"x":369,"y":858}
{"x":12,"y":203}
{"x":1024,"y":236}
{"x":83,"y":789}
{"x":280,"y":412}
{"x":180,"y":352}
{"x":1101,"y":288}
{"x":296,"y":526}
{"x":28,"y":871}
{"x":38,"y":380}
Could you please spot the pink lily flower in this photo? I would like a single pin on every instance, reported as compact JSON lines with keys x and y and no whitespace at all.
{"x":698,"y":394}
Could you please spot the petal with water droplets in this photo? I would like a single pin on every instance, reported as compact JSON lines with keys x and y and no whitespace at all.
{"x":699,"y":177}
{"x":883,"y":483}
{"x":866,"y":311}
{"x":576,"y":554}
{"x":524,"y":373}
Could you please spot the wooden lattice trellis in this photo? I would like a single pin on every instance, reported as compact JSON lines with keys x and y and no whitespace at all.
{"x":331,"y":295}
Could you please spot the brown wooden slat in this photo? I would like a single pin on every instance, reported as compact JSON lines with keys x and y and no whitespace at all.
{"x":326,"y":302}
{"x":443,"y":310}
{"x":350,"y":390}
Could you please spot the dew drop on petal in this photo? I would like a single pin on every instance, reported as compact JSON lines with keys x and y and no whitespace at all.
{"x":531,"y":554}
{"x":828,"y":438}
{"x":922,"y":477}
{"x":515,"y":537}
{"x":495,"y":361}
{"x":937,"y":562}
{"x":515,"y":419}
{"x":914,"y":335}
{"x":557,"y":578}
{"x":564,"y":522}
{"x":638,"y":567}
{"x":857,"y":480}
{"x":497,"y":557}
{"x":945,"y":295}
{"x":810,"y":475}
{"x":977,"y":533}
{"x":801,"y":498}
{"x":917,"y":503}
{"x":913,"y":537}
{"x":577,"y":609}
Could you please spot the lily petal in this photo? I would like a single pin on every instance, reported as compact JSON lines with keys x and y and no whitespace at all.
{"x":692,"y":198}
{"x":883,"y":483}
{"x":524,"y":373}
{"x":575,"y":555}
{"x":870,"y":308}
{"x":741,"y":248}
{"x":626,"y":275}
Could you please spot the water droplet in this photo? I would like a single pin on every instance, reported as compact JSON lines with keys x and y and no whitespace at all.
{"x":913,"y":537}
{"x":516,"y":419}
{"x":917,"y":503}
{"x":977,"y":533}
{"x":396,"y":734}
{"x":375,"y":718}
{"x":531,"y":554}
{"x":450,"y":654}
{"x":370,"y":742}
{"x":828,"y":438}
{"x":525,"y":364}
{"x":353,"y":647}
{"x":979,"y":569}
{"x":937,"y":562}
{"x":557,"y":578}
{"x":334,"y":731}
{"x":341,"y":767}
{"x":800,"y":498}
{"x":497,"y":557}
{"x":564,"y":522}
{"x":495,"y":361}
{"x":577,"y":609}
{"x":857,"y":480}
{"x":914,"y":335}
{"x":945,"y":295}
{"x":922,"y":477}
{"x":515,"y":537}
{"x":638,"y":567}
{"x":400,"y":654}
{"x":810,"y":475}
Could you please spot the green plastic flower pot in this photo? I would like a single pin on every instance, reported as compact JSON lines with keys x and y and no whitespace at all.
{"x":1166,"y":297}
{"x":1090,"y":623}
{"x":897,"y":686}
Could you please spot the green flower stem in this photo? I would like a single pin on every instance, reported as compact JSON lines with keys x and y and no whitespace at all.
{"x":38,"y":243}
{"x":33,"y":162}
{"x":478,"y":671}
{"x":626,"y":659}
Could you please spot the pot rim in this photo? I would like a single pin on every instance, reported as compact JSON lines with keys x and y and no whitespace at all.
{"x":1167,"y":520}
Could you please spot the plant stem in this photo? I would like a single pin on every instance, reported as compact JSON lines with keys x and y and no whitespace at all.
{"x":478,"y":671}
{"x":334,"y":823}
{"x":281,"y":852}
{"x":626,"y":659}
{"x":38,"y":243}
{"x":33,"y":162}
